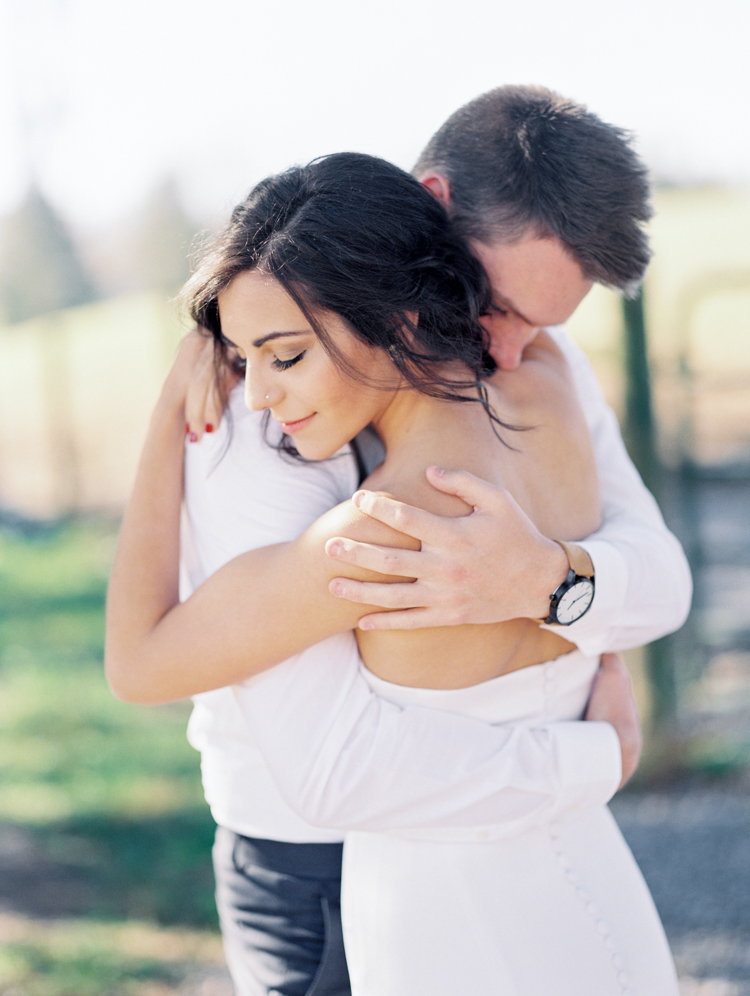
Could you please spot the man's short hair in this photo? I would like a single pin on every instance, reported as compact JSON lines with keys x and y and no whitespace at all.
{"x":522,"y":159}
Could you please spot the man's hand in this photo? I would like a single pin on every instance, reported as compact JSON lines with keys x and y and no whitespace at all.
{"x":486,"y":567}
{"x":612,"y":702}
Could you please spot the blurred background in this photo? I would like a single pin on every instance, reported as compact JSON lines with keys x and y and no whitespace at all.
{"x":128,"y":131}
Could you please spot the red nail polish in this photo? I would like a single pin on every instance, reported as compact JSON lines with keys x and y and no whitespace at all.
{"x":187,"y":428}
{"x":209,"y":427}
{"x":193,"y":437}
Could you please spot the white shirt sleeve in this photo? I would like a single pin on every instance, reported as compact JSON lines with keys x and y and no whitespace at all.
{"x":345,"y":758}
{"x":340,"y":755}
{"x":643,"y":583}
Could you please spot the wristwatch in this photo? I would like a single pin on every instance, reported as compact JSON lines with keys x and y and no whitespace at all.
{"x":572,"y":599}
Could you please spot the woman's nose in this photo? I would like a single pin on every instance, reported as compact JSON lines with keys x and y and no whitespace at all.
{"x":260,"y":392}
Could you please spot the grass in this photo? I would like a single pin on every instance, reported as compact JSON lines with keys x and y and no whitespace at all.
{"x":81,"y":958}
{"x":105,"y":875}
{"x":103,"y":818}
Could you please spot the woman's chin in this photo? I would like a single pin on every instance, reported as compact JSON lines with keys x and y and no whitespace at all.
{"x":315,"y":451}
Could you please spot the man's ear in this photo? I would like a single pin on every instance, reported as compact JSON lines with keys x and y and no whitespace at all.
{"x":438,"y":186}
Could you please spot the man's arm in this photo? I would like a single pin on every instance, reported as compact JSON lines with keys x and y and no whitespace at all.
{"x":345,"y":758}
{"x":643,"y":581}
{"x":334,"y":747}
{"x":495,"y":565}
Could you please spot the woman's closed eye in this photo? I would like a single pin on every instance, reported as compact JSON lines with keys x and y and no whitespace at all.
{"x":285,"y":364}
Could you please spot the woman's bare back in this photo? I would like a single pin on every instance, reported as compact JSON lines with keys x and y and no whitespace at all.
{"x":548,"y":468}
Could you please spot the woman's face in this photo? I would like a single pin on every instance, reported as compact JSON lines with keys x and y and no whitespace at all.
{"x":290,"y":372}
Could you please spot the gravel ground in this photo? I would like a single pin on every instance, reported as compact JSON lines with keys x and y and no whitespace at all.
{"x":693,"y":846}
{"x":692,"y":842}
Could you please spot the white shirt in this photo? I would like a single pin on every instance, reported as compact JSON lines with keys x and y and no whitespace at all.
{"x":643,"y":583}
{"x":240,"y":493}
{"x":320,"y":748}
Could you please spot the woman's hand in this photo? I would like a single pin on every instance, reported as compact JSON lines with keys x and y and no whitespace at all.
{"x":188,"y":368}
{"x":202,"y":384}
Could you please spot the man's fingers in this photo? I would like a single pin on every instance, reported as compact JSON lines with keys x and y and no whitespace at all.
{"x":425,"y":526}
{"x":387,"y":596}
{"x":474,"y":491}
{"x":405,"y":619}
{"x":614,"y":664}
{"x":613,"y":678}
{"x":612,"y":701}
{"x":414,"y":522}
{"x":611,"y":687}
{"x":382,"y":559}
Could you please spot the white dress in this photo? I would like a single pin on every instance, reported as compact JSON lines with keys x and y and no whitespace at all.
{"x":559,"y":910}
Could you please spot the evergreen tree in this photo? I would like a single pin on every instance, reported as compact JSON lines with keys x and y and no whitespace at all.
{"x":161,"y":242}
{"x":40,"y":268}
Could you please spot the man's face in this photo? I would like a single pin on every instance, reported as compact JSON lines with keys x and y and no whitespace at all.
{"x":535,"y":283}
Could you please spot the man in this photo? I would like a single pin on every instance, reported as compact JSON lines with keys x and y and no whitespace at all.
{"x":551,"y":200}
{"x":318,"y":742}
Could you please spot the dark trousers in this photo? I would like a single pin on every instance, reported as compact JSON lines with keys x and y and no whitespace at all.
{"x":280,"y":913}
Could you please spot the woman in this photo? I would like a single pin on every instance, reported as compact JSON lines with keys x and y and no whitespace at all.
{"x":344,"y":292}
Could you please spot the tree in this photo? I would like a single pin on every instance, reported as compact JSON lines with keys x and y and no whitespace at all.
{"x":161,"y":241}
{"x":40,"y":268}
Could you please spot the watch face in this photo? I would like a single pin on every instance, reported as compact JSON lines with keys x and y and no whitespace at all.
{"x":575,"y":602}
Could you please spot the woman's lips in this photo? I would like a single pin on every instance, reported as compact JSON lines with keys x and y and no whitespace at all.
{"x":291,"y":427}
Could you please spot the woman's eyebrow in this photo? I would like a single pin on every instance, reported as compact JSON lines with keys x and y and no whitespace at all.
{"x":278,"y":335}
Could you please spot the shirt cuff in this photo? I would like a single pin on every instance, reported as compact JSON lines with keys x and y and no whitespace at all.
{"x":590,"y":633}
{"x":590,"y":764}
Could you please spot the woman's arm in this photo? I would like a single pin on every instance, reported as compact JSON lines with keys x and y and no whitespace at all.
{"x":257,"y":610}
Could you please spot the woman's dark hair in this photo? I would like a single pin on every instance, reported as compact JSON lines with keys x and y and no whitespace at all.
{"x":357,"y":236}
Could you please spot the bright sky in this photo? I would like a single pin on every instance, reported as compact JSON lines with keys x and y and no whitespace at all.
{"x":104,"y":98}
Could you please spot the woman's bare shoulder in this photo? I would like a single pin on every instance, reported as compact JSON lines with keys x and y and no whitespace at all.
{"x":558,"y":487}
{"x":412,"y":487}
{"x":347,"y":522}
{"x":543,"y":384}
